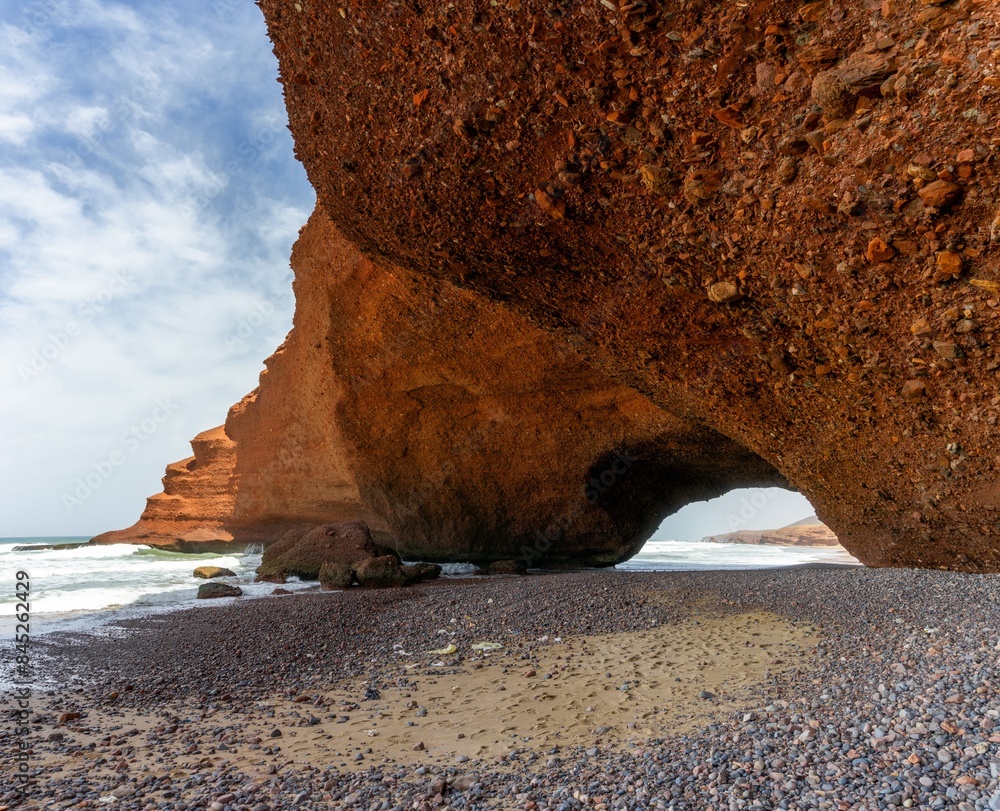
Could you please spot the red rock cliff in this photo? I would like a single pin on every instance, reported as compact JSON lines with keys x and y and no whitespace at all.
{"x":777,"y":221}
{"x":454,"y":427}
{"x":196,"y":502}
{"x":746,"y":240}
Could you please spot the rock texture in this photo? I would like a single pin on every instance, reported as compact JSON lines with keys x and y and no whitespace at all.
{"x":575,"y":265}
{"x":777,"y":221}
{"x":304,"y":552}
{"x":453,"y":427}
{"x":213,"y":591}
{"x":196,"y":504}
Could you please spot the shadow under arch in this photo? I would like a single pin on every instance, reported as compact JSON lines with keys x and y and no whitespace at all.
{"x":639,"y":486}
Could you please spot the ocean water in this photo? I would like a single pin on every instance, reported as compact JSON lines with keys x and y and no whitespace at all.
{"x":83,"y":589}
{"x":660,"y":556}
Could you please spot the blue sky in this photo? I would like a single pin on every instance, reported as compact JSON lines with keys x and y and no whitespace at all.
{"x":148,"y":203}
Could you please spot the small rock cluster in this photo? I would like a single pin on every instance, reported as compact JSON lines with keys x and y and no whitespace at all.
{"x":339,"y":555}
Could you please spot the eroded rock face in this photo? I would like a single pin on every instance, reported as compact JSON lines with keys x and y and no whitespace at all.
{"x":196,"y":505}
{"x":775,"y":220}
{"x":594,"y":262}
{"x":450,"y":425}
{"x":475,"y":435}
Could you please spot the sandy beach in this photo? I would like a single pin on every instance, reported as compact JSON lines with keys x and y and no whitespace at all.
{"x":799,"y":688}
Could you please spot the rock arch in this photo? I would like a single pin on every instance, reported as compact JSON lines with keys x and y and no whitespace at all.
{"x":712,"y":223}
{"x":455,"y":428}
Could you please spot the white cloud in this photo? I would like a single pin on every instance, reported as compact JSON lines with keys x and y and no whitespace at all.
{"x":15,"y":128}
{"x":123,"y":269}
{"x":86,"y":121}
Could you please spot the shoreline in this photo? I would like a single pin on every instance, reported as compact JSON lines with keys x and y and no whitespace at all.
{"x":138,"y":580}
{"x":872,"y":643}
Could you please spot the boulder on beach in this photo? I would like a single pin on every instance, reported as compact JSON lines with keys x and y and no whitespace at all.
{"x":302,"y":552}
{"x":428,"y":571}
{"x":210,"y":572}
{"x":336,"y":555}
{"x":382,"y":572}
{"x":211,"y":591}
{"x":506,"y":567}
{"x":335,"y":576}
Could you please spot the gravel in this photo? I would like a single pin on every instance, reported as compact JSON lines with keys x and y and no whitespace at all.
{"x":897,"y":708}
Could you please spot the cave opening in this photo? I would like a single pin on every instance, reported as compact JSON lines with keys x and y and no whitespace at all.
{"x":744,"y":508}
{"x":745,"y":528}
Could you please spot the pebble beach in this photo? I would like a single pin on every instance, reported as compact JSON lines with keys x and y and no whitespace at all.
{"x":816,"y":687}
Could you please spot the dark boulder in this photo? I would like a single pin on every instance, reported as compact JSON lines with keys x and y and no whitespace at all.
{"x":506,"y":567}
{"x":428,"y":571}
{"x":383,"y":572}
{"x":211,"y":591}
{"x":302,"y":552}
{"x":335,"y":576}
